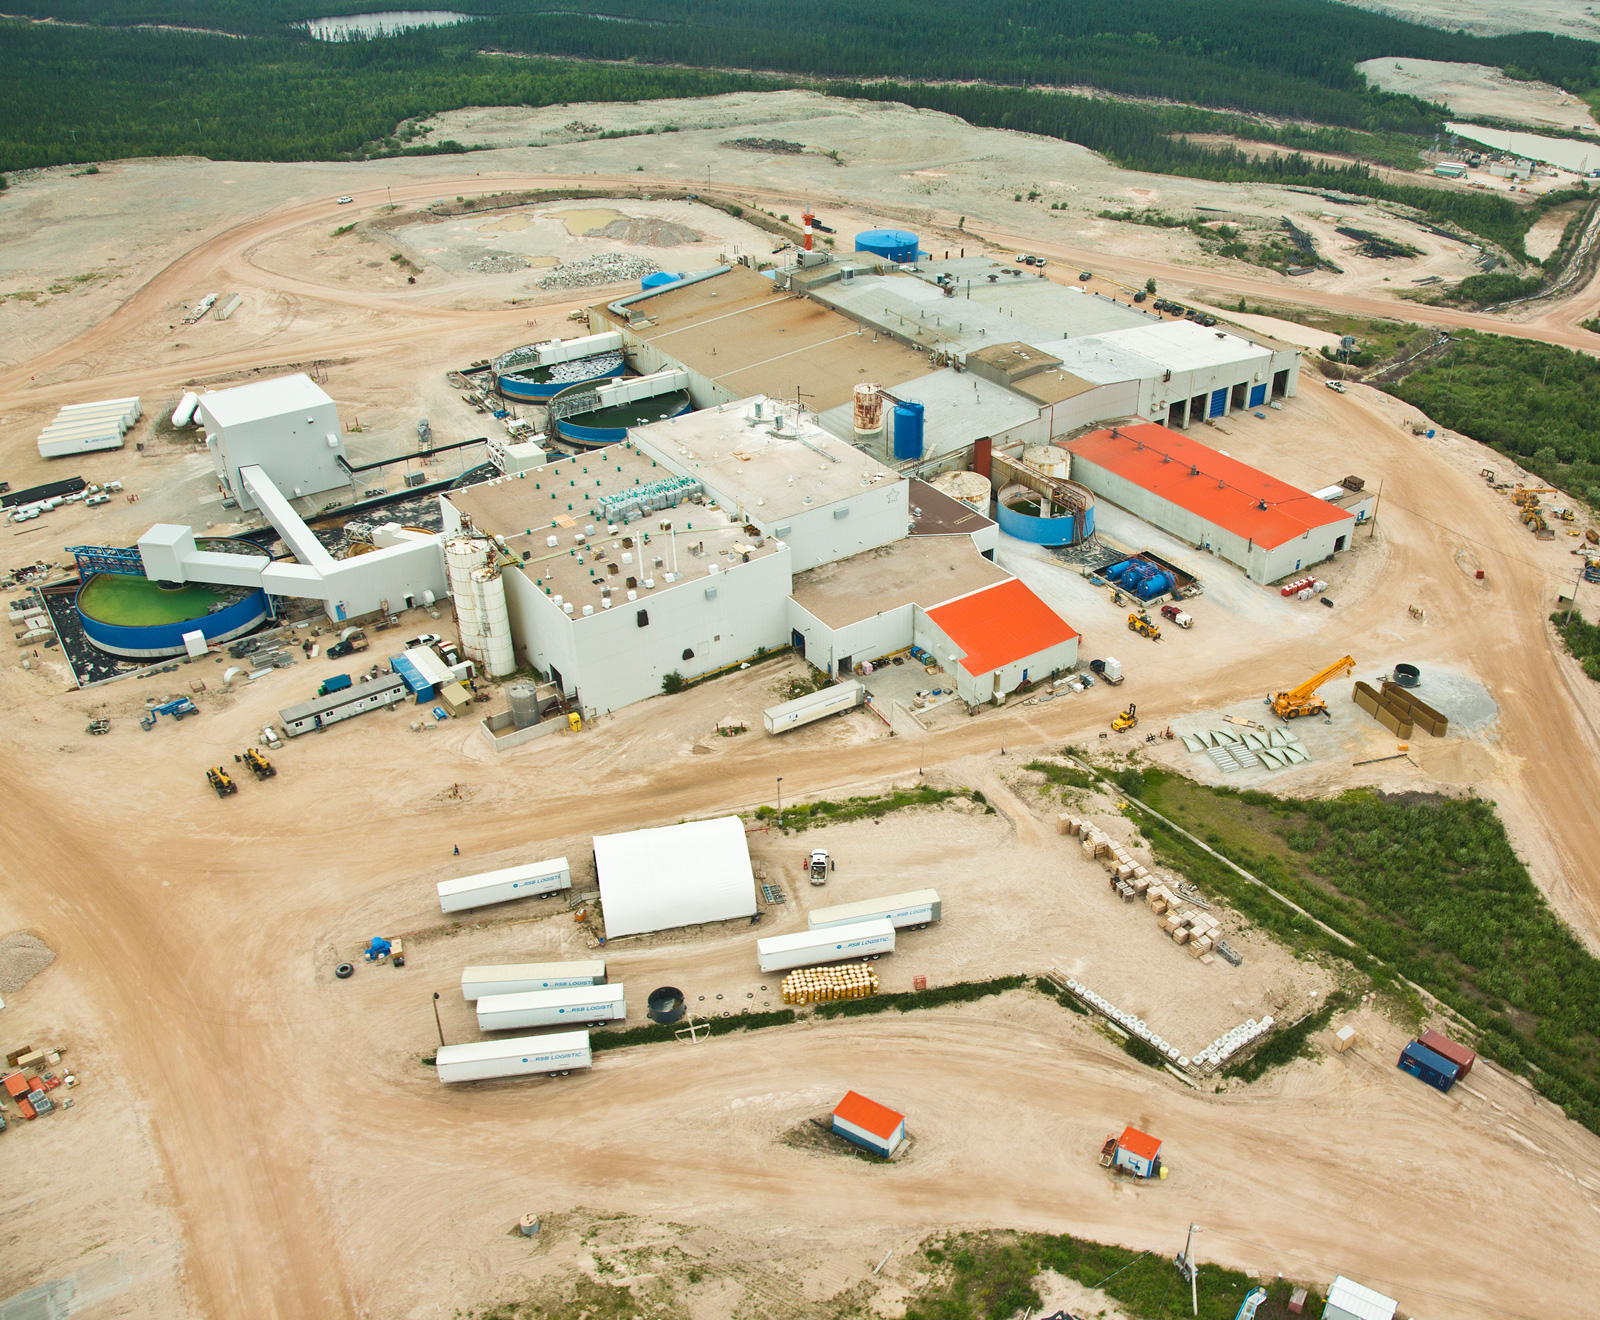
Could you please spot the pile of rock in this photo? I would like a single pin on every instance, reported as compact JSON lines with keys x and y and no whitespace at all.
{"x":602,"y":268}
{"x":499,"y":263}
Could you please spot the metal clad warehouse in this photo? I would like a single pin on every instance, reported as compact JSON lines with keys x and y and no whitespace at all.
{"x":993,"y":639}
{"x":1267,"y":527}
{"x":679,"y":875}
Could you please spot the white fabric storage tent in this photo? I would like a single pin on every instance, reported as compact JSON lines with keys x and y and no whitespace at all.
{"x":679,"y":875}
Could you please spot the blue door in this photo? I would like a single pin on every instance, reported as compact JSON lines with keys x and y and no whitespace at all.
{"x":1258,"y":395}
{"x":1219,"y":402}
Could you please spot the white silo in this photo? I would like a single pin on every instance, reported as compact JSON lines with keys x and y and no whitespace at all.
{"x":493,"y":622}
{"x":464,"y":554}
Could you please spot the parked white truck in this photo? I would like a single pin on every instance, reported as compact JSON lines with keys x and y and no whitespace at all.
{"x":909,"y":911}
{"x":814,"y":706}
{"x":580,"y":1005}
{"x":809,"y":948}
{"x":517,"y":1056}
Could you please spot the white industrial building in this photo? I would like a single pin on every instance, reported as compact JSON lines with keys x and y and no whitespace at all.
{"x":679,"y":875}
{"x":1267,"y":527}
{"x":286,"y":426}
{"x":705,"y":538}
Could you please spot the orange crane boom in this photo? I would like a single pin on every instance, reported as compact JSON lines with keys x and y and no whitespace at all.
{"x":1303,"y":700}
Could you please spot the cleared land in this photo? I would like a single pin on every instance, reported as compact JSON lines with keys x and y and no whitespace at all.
{"x":1480,"y":92}
{"x":253,"y":1137}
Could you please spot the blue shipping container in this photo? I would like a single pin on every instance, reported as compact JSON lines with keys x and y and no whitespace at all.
{"x":338,"y":683}
{"x":1436,"y":1070}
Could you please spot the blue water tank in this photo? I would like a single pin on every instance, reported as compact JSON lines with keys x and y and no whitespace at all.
{"x":659,"y":279}
{"x":1156,"y":584}
{"x":1116,"y":571}
{"x":907,"y":430}
{"x":897,"y":245}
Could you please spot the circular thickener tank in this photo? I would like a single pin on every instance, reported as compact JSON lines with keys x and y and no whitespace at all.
{"x":524,"y":699}
{"x":132,"y":617}
{"x":896,"y":245}
{"x":908,"y":430}
{"x":665,"y":1004}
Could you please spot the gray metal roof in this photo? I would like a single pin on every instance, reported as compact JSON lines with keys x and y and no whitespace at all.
{"x":355,"y":692}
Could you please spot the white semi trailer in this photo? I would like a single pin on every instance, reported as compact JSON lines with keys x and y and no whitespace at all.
{"x":911,"y":910}
{"x":814,"y":706}
{"x":584,"y":1004}
{"x":519,"y":978}
{"x":475,"y":891}
{"x":518,"y":1056}
{"x":808,"y":948}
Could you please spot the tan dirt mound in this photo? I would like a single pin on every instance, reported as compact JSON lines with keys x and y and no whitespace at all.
{"x":22,"y":957}
{"x":647,"y":230}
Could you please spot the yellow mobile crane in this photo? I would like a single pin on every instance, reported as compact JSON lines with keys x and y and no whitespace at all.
{"x":1303,"y":700}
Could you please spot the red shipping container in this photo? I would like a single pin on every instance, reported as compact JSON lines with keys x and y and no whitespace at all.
{"x":17,"y":1084}
{"x":1446,"y":1048}
{"x":919,"y":982}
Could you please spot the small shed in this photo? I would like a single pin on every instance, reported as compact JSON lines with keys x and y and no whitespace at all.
{"x":1139,"y":1153}
{"x":1349,"y":1300}
{"x":869,"y":1124}
{"x":456,"y":698}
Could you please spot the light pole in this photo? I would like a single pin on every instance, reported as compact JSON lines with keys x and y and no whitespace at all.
{"x":436,"y":1021}
{"x":922,"y":754}
{"x":1004,"y":725}
{"x":780,"y":802}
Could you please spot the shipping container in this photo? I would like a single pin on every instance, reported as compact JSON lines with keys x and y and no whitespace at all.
{"x":1434,"y":1069}
{"x":813,"y":706}
{"x":914,"y":909}
{"x":866,"y":939}
{"x":582,"y":1005}
{"x":475,"y":891}
{"x":517,"y":978}
{"x":1458,"y":1054}
{"x":519,"y":1056}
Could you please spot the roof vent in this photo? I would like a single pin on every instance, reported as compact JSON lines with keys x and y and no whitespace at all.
{"x":1193,"y":470}
{"x":1261,"y":504}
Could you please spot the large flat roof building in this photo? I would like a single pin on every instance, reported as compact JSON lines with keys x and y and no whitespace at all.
{"x":1265,"y":526}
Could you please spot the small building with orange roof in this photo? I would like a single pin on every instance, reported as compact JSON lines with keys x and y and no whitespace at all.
{"x":1139,"y":1153}
{"x":867,"y":1123}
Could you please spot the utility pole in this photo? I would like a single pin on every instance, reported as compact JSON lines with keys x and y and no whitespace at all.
{"x":780,"y":802}
{"x":1004,"y":725}
{"x":1190,"y":1271}
{"x":436,"y":1021}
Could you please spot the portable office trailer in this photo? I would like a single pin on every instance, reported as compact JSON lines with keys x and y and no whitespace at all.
{"x":807,"y":948}
{"x":518,"y":978}
{"x":1458,"y":1054}
{"x":813,"y":706}
{"x":344,"y":705}
{"x":915,"y":908}
{"x":576,"y":1006}
{"x":1434,"y":1069}
{"x":475,"y":891}
{"x":518,"y":1056}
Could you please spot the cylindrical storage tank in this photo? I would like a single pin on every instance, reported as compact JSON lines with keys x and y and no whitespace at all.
{"x":493,"y":621}
{"x":1047,"y":459}
{"x":970,"y":488}
{"x":907,"y":430}
{"x":868,"y":409}
{"x":665,"y":1004}
{"x":183,"y":414}
{"x":896,"y":245}
{"x":524,"y":699}
{"x":463,"y":554}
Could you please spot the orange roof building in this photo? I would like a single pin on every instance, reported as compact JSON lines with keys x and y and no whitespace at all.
{"x":1267,"y":527}
{"x":997,"y":638}
{"x":869,"y":1124}
{"x":1139,"y":1153}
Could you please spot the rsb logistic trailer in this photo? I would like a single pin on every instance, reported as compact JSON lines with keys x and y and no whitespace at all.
{"x":518,"y":978}
{"x":911,"y":910}
{"x":475,"y":891}
{"x":813,"y":706}
{"x":583,"y":1004}
{"x":518,"y":1056}
{"x":808,"y":948}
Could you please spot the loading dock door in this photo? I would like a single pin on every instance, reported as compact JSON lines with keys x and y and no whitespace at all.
{"x":1219,"y":402}
{"x":1258,"y":395}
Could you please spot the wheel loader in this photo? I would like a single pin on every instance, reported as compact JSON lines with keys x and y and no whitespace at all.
{"x":1140,"y":623}
{"x":1126,"y":720}
{"x":220,"y":780}
{"x":259,"y":765}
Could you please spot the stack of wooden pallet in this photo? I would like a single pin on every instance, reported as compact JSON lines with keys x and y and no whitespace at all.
{"x":822,"y":985}
{"x":1129,"y":879}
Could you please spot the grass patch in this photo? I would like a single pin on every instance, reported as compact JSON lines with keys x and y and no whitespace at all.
{"x":993,"y":1276}
{"x":1433,"y":888}
{"x":908,"y":1001}
{"x":1144,"y":1052}
{"x":653,"y":1032}
{"x":1581,"y":638}
{"x":1062,"y":776}
{"x":803,"y":815}
{"x":1284,"y":1047}
{"x":342,"y":230}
